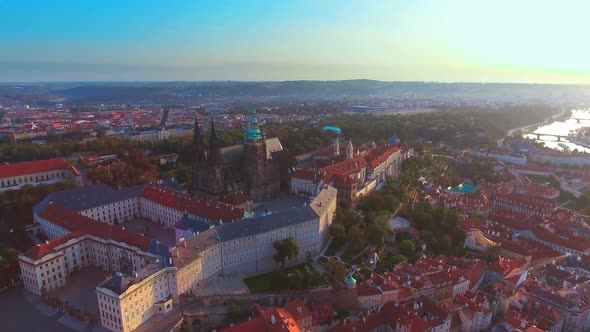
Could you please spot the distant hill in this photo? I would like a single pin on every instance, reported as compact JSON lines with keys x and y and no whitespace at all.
{"x":190,"y":92}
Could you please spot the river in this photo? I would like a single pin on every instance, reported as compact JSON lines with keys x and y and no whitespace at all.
{"x":563,"y":128}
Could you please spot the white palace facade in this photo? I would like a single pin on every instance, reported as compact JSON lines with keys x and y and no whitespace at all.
{"x":148,"y":277}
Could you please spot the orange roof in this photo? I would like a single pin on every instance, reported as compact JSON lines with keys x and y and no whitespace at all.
{"x":272,"y":320}
{"x":47,"y":248}
{"x":212,"y":210}
{"x":305,"y":174}
{"x":365,"y":289}
{"x":364,"y":324}
{"x":80,"y":225}
{"x":298,"y":309}
{"x":346,"y":167}
{"x":34,"y":167}
{"x":379,"y":154}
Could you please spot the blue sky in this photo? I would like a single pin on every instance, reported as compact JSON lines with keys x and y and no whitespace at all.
{"x":444,"y":40}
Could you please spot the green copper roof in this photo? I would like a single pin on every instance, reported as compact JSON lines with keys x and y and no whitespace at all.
{"x":350,"y":280}
{"x":464,"y":188}
{"x":253,"y":132}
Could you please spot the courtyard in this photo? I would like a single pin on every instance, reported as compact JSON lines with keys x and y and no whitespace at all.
{"x":80,"y":291}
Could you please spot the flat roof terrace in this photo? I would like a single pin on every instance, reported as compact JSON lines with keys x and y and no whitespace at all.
{"x":283,"y":203}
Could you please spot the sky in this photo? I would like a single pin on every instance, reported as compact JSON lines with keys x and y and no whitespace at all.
{"x":529,"y":41}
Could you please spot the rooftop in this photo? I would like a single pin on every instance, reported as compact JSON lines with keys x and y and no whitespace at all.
{"x":88,"y":197}
{"x":265,"y":223}
{"x":33,"y":167}
{"x":80,"y":225}
{"x":212,"y":210}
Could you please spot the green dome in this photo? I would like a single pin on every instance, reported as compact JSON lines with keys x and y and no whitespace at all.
{"x":350,"y":280}
{"x":253,"y":132}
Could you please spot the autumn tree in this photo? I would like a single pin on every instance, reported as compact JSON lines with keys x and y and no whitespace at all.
{"x":335,"y":272}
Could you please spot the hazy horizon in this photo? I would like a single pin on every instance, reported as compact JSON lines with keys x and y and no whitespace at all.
{"x":463,"y":41}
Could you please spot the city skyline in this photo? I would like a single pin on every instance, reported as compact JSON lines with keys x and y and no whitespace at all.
{"x":451,"y":41}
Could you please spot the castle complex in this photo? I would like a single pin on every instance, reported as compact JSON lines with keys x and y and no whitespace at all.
{"x":147,"y":276}
{"x":248,"y":167}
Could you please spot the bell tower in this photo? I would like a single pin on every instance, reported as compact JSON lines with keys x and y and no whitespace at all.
{"x":215,"y":177}
{"x":198,"y":158}
{"x":256,"y":159}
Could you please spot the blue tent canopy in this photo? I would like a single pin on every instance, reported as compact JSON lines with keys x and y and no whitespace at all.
{"x":331,"y":128}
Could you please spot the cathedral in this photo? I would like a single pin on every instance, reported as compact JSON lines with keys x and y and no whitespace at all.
{"x":245,"y":168}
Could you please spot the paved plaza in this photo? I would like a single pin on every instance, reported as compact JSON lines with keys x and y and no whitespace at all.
{"x":18,"y":314}
{"x":80,"y":290}
{"x":224,"y":285}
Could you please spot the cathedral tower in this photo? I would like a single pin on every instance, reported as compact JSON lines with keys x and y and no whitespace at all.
{"x":349,"y":150}
{"x":336,"y":147}
{"x":198,"y":157}
{"x":214,"y":154}
{"x":261,"y":173}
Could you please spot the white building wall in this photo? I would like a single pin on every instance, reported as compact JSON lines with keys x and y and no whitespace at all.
{"x":38,"y":178}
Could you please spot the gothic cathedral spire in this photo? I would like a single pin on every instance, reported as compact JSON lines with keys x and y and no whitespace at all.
{"x":349,"y":150}
{"x":198,"y":156}
{"x":214,"y":155}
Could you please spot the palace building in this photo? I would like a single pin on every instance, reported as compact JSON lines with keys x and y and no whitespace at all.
{"x":89,"y":227}
{"x":250,"y":167}
{"x":14,"y":176}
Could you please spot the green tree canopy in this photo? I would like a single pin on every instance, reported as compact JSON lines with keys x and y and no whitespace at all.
{"x":286,"y":249}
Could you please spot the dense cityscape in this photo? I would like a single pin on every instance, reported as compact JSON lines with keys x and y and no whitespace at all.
{"x":216,"y":216}
{"x":300,"y":166}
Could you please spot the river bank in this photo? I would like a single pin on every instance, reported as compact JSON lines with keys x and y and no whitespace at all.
{"x":563,"y":125}
{"x":531,"y":127}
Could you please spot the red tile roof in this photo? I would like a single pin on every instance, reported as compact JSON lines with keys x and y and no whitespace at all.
{"x":272,"y":320}
{"x":379,"y":154}
{"x":536,"y":203}
{"x":346,"y":167}
{"x":283,"y":321}
{"x":365,"y":289}
{"x":364,"y":324}
{"x":33,"y":167}
{"x":47,"y":248}
{"x":306,"y":174}
{"x":576,"y":243}
{"x":80,"y":225}
{"x":298,"y":309}
{"x":215,"y":211}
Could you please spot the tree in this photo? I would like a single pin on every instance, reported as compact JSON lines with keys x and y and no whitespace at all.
{"x":376,"y":235}
{"x":338,"y":233}
{"x":307,"y":277}
{"x":407,"y":248}
{"x":335,"y":272}
{"x":286,"y":249}
{"x":308,"y":258}
{"x":357,"y":237}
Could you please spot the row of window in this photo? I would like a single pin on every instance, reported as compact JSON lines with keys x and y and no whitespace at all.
{"x":32,"y":179}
